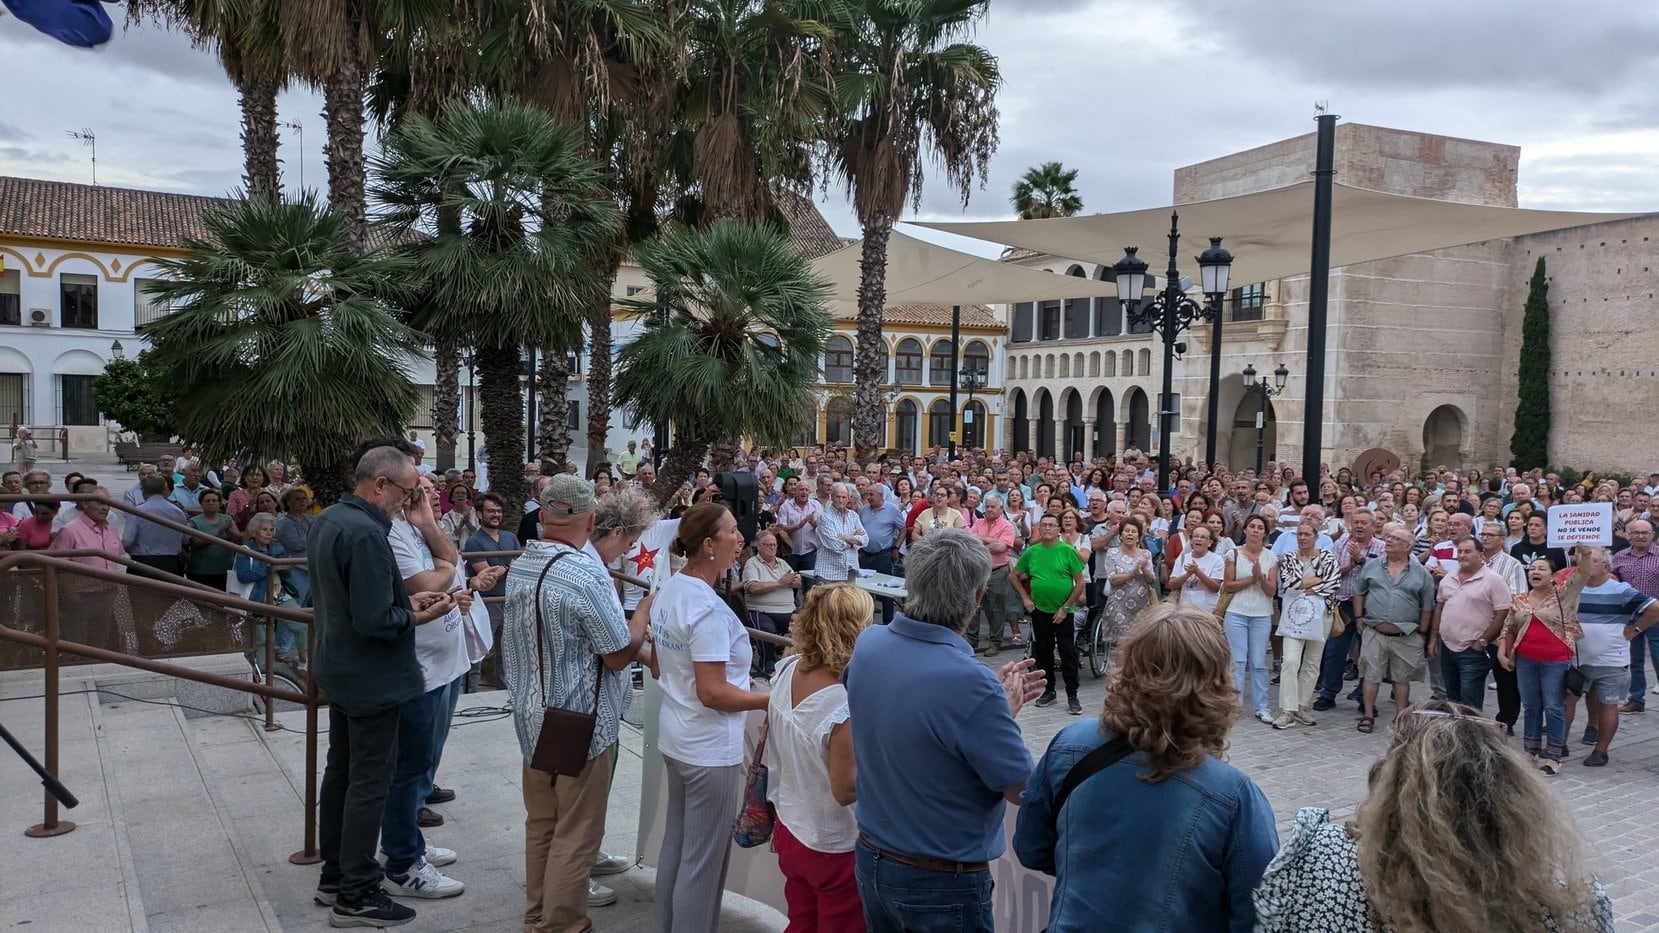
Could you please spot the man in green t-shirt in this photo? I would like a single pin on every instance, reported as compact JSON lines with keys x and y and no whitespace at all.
{"x":1049,"y":578}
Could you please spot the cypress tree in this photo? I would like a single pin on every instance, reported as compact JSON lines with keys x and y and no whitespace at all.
{"x":1529,"y":446}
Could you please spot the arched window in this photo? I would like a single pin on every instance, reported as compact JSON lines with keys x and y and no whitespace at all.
{"x":1025,"y":367}
{"x":1094,"y":365}
{"x":1048,"y":366}
{"x":938,"y":423}
{"x":973,"y":424}
{"x":1111,"y":364}
{"x":1077,"y":365}
{"x":976,"y":358}
{"x":940,"y":363}
{"x":838,"y":421}
{"x":907,"y":363}
{"x":1065,"y":366}
{"x":906,"y":426}
{"x":1146,"y":363}
{"x":1128,"y":363}
{"x":838,"y":359}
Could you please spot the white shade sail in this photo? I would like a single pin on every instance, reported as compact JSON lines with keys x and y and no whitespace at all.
{"x":1270,"y":232}
{"x":919,"y":272}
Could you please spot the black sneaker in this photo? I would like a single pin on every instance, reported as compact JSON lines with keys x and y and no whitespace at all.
{"x":374,"y":910}
{"x":1595,"y":759}
{"x":1047,"y":699}
{"x":327,"y":893}
{"x":1321,"y":704}
{"x":1591,"y":735}
{"x":1073,"y":707}
{"x":440,"y":795}
{"x":1350,"y":673}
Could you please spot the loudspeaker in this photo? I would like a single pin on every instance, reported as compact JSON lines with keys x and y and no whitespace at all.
{"x":742,"y":495}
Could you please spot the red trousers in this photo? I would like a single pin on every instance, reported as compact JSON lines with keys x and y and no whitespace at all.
{"x":820,"y":887}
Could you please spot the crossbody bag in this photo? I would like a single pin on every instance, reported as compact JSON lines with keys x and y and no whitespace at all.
{"x":1087,"y":767}
{"x":566,"y":735}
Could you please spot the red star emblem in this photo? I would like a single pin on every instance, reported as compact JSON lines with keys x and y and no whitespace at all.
{"x":644,"y":560}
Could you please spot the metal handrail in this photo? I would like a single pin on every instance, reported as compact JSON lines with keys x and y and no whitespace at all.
{"x":120,"y":505}
{"x":53,"y":564}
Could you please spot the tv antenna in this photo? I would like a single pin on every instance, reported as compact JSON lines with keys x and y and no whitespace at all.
{"x":88,"y":138}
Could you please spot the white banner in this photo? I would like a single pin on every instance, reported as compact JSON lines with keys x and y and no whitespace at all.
{"x":1586,"y":523}
{"x":1019,"y":903}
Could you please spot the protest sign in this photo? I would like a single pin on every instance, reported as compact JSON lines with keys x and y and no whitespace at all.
{"x":1583,"y":523}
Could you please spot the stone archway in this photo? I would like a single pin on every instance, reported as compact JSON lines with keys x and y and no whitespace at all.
{"x":1105,"y":422}
{"x":1242,"y":449}
{"x":1021,"y":441}
{"x":1138,"y":431}
{"x":1045,"y":423}
{"x":1073,"y":442}
{"x":1444,"y":432}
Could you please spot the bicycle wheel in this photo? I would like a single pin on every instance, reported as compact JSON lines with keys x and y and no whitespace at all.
{"x":1097,"y":648}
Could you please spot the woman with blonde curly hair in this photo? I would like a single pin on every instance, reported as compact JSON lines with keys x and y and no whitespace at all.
{"x":809,"y":756}
{"x":1160,"y":832}
{"x":1459,"y":834}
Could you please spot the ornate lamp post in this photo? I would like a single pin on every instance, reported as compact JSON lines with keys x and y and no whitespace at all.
{"x":972,"y":379}
{"x":1169,"y":313}
{"x":1264,"y":391}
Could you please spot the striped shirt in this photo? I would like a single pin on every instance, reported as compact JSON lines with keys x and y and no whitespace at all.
{"x":583,"y":620}
{"x":1603,"y":612}
{"x":838,"y":560}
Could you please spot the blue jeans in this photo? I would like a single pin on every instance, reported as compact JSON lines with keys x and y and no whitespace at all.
{"x":1640,"y":648}
{"x":1337,"y":649}
{"x":901,"y":899}
{"x":445,"y":712}
{"x":400,"y":836}
{"x":1464,"y":674}
{"x":1248,"y":637}
{"x":1544,"y":707}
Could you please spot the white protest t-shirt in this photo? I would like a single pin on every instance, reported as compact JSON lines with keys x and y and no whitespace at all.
{"x":440,"y":645}
{"x":690,"y":623}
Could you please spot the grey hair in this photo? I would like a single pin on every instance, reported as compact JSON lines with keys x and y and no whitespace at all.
{"x":152,"y":485}
{"x":260,"y":520}
{"x":624,"y":507}
{"x":946,"y":572}
{"x":848,"y":489}
{"x":1316,"y":512}
{"x":277,"y":463}
{"x":382,"y":461}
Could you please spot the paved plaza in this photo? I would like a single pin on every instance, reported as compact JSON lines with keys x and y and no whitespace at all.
{"x":187,"y":820}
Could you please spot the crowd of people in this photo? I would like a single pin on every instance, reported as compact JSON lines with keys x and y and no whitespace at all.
{"x":1227,"y":596}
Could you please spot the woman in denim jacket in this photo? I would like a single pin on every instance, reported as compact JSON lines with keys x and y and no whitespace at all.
{"x":1169,"y":838}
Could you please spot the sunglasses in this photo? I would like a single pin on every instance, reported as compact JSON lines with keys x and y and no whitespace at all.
{"x":1444,"y":714}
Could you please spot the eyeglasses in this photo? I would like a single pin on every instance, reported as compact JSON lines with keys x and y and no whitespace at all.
{"x":410,"y":493}
{"x":1447,"y":714}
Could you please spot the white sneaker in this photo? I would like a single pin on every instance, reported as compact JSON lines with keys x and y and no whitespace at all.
{"x":599,"y":895}
{"x":1264,"y":716}
{"x":606,"y":864}
{"x":438,"y":856}
{"x":422,"y":880}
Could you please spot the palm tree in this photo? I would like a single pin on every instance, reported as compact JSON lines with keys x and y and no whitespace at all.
{"x":906,"y":87}
{"x":738,"y":354}
{"x":283,"y":341}
{"x":1046,"y":191}
{"x":332,"y":44}
{"x":514,"y":271}
{"x":245,"y":35}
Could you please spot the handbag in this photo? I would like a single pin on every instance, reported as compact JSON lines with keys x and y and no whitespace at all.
{"x":1304,"y":617}
{"x":1574,"y":680}
{"x":757,"y":818}
{"x":1226,"y":599}
{"x":566,"y":735}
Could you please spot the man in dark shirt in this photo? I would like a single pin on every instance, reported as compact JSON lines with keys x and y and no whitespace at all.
{"x":491,"y":537}
{"x":1535,"y":546}
{"x":365,"y":663}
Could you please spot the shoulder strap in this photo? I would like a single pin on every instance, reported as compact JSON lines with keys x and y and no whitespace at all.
{"x":1091,"y":764}
{"x":541,"y":633}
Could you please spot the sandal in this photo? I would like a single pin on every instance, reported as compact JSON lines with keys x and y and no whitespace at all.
{"x":1365,"y":724}
{"x":1018,"y":641}
{"x":1551,"y":768}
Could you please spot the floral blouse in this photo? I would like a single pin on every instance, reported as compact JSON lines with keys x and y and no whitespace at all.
{"x":1314,"y":883}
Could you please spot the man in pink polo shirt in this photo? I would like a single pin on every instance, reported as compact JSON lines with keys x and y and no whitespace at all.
{"x":1469,"y":611}
{"x":89,"y":605}
{"x":997,"y":532}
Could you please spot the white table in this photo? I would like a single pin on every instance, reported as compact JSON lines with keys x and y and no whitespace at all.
{"x":876,"y":584}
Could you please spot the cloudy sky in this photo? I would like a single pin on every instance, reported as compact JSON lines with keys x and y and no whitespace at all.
{"x":1124,"y":92}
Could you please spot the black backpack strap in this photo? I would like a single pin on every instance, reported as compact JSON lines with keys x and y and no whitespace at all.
{"x":1091,"y":764}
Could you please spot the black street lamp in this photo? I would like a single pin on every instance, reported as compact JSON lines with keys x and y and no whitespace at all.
{"x":1169,"y":313}
{"x":971,"y":378}
{"x":1214,"y":265}
{"x":1264,"y":391}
